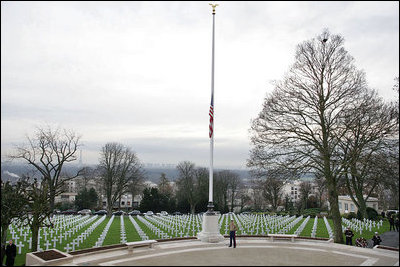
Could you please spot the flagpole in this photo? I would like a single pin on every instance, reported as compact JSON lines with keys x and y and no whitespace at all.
{"x":210,"y":231}
{"x":210,"y":205}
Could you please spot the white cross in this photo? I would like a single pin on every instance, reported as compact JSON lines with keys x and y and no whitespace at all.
{"x":30,"y":243}
{"x":60,"y":238}
{"x":47,"y":244}
{"x":25,"y":234}
{"x":54,"y":241}
{"x":67,"y":248}
{"x":74,"y":242}
{"x":16,"y":239}
{"x":20,"y":246}
{"x":45,"y":235}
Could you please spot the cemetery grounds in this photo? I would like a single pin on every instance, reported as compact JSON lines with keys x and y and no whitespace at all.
{"x":76,"y":232}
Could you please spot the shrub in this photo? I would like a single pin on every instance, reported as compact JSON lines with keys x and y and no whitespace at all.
{"x":311,"y":212}
{"x":372,"y":213}
{"x":350,"y":215}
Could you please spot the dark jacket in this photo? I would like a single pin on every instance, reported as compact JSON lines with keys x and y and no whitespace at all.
{"x":11,"y":251}
{"x":376,"y":239}
{"x":348,"y":233}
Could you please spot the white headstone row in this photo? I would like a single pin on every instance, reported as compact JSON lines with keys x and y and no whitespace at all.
{"x":103,"y":235}
{"x":328,"y":227}
{"x":139,"y":230}
{"x":302,"y":225}
{"x":314,"y":229}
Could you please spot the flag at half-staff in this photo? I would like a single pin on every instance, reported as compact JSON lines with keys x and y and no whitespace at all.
{"x":211,"y":117}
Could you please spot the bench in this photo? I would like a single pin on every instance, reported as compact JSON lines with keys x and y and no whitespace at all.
{"x":282,"y":236}
{"x":144,"y":243}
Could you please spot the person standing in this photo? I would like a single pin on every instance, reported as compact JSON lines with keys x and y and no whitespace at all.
{"x":349,"y":236}
{"x":396,"y":223}
{"x":11,"y":253}
{"x":391,"y":222}
{"x":376,"y":239}
{"x":232,"y":233}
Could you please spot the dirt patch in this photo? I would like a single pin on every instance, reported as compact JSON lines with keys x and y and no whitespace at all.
{"x":49,"y":255}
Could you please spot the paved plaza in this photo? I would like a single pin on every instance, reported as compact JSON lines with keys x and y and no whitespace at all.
{"x":249,"y":251}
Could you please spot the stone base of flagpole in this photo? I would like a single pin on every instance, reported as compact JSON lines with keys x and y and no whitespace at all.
{"x":210,"y":232}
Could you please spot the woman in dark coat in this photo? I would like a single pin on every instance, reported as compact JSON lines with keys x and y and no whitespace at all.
{"x":11,"y":253}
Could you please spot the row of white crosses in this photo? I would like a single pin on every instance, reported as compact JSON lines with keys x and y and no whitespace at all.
{"x":314,"y":229}
{"x":122,"y":230}
{"x":290,"y":223}
{"x":301,"y":227}
{"x":359,"y":226}
{"x":328,"y":227}
{"x":85,"y":234}
{"x":265,"y":224}
{"x":139,"y":230}
{"x":158,"y":232}
{"x":24,"y":231}
{"x":103,"y":235}
{"x":166,"y":231}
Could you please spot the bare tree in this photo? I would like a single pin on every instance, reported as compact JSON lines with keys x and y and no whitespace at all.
{"x":37,"y":209}
{"x":187,"y":183}
{"x":320,"y":184}
{"x":164,"y":185}
{"x":271,"y":182}
{"x":301,"y":120}
{"x":233,"y":187}
{"x":48,"y":151}
{"x":305,"y":191}
{"x":370,"y":124}
{"x":119,"y":166}
{"x":86,"y":174}
{"x":225,"y":182}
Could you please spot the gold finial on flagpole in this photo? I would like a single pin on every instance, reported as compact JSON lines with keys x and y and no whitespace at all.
{"x":213,"y":6}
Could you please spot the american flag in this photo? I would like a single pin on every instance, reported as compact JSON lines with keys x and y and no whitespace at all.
{"x":211,"y":117}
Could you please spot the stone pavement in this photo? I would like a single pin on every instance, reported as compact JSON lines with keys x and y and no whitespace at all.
{"x":249,"y":251}
{"x":390,"y":239}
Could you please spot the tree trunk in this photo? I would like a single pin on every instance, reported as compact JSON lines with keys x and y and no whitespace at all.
{"x":362,"y":206}
{"x":335,"y":213}
{"x":192,"y":208}
{"x":109,"y":206}
{"x":35,"y":233}
{"x":4,"y":230}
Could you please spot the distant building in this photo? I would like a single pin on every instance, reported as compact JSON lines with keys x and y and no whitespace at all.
{"x":347,"y":205}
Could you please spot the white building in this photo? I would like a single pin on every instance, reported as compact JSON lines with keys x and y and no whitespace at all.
{"x":347,"y":205}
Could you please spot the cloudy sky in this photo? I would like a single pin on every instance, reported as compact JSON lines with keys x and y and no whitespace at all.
{"x":139,"y":73}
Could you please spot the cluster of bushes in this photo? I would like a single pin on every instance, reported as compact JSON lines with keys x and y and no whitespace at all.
{"x":372,"y":214}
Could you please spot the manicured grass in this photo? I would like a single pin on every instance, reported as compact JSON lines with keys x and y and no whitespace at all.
{"x":295,"y":227}
{"x":131,"y":233}
{"x":146,"y":229}
{"x":92,"y":239}
{"x":114,"y":233}
{"x":308,"y":228}
{"x":321,"y":229}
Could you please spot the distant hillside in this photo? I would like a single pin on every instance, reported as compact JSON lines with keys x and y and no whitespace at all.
{"x":12,"y":171}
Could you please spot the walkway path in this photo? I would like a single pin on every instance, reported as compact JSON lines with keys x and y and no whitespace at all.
{"x":390,"y":239}
{"x":249,"y":251}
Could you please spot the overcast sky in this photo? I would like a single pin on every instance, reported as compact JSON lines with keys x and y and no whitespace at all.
{"x":139,"y":73}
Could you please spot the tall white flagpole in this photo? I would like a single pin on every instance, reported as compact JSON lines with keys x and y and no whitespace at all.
{"x":210,"y":205}
{"x":210,"y":231}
